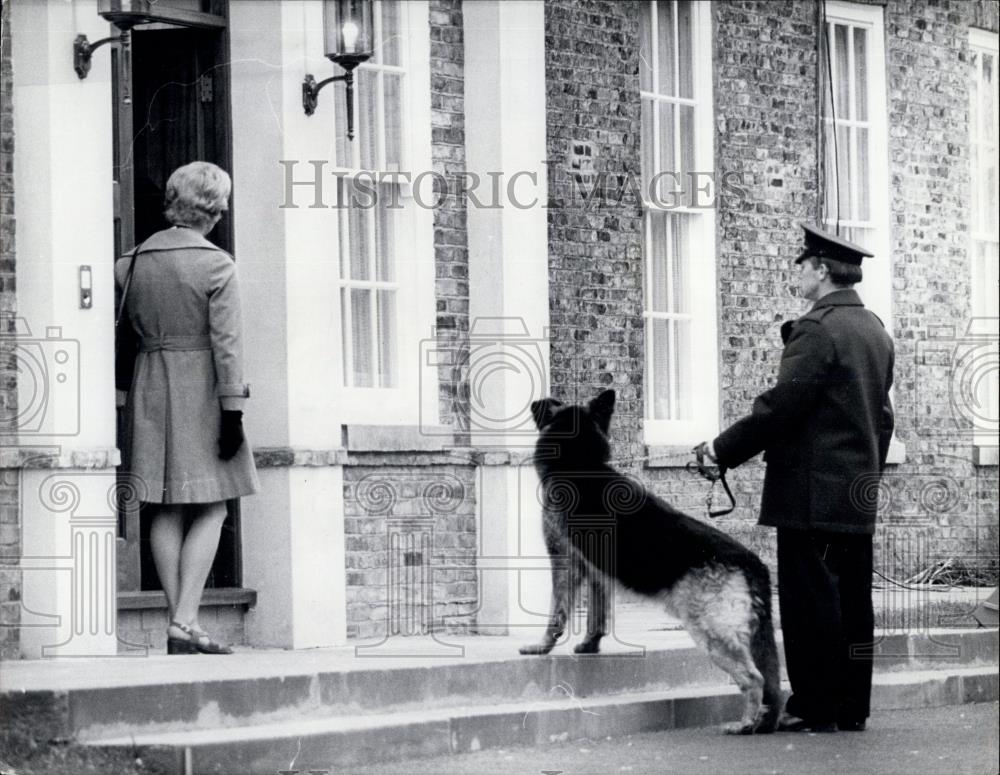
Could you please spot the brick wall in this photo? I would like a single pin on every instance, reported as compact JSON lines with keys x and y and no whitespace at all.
{"x":595,"y":248}
{"x":765,"y":98}
{"x":10,"y":537}
{"x":410,"y":532}
{"x":950,"y":510}
{"x":451,"y":245}
{"x":765,"y":83}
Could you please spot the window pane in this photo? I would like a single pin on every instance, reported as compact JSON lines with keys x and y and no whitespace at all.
{"x":681,"y":366}
{"x":671,"y":387}
{"x":975,"y":200}
{"x":687,"y":166}
{"x":345,"y":327}
{"x":645,"y":47}
{"x":685,"y":48}
{"x":344,"y":228}
{"x":666,"y":53}
{"x":988,"y":90}
{"x":861,"y":73}
{"x":657,"y":258}
{"x":668,"y":162}
{"x":990,"y":212}
{"x":365,"y":125}
{"x":680,"y":262}
{"x":838,"y":172}
{"x":392,"y":84}
{"x":660,"y":387}
{"x":648,"y":144}
{"x":360,"y":244}
{"x":840,"y":74}
{"x":974,"y":128}
{"x":361,"y":336}
{"x":387,"y":338}
{"x":385,"y":231}
{"x":863,"y":237}
{"x":863,"y":205}
{"x":389,"y":45}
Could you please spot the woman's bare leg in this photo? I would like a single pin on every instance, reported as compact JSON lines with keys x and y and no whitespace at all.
{"x":196,"y":557}
{"x":166,"y":536}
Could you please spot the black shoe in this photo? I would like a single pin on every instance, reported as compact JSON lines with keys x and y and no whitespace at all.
{"x":790,"y":723}
{"x":851,"y":725}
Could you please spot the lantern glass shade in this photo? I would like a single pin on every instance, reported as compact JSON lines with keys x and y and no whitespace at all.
{"x":347,"y":26}
{"x":125,"y":13}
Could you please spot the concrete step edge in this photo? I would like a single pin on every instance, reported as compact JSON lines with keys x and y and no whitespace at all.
{"x":902,"y":689}
{"x":232,"y":701}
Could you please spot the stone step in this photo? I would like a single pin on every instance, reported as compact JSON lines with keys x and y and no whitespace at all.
{"x":91,"y":699}
{"x":331,"y":743}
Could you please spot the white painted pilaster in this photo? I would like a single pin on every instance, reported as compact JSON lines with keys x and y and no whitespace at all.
{"x":65,"y":355}
{"x":293,"y":530}
{"x":508,"y":290}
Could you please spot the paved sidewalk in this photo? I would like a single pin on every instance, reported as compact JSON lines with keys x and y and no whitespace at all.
{"x":955,"y":740}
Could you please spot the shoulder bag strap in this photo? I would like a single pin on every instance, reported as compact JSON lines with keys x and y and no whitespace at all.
{"x":125,"y":286}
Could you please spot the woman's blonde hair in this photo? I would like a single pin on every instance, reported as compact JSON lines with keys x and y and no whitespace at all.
{"x":196,"y":194}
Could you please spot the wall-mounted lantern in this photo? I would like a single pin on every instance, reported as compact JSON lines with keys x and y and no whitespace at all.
{"x":347,"y":41}
{"x":124,"y":14}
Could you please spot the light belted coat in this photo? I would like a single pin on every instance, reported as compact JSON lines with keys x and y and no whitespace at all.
{"x":182,"y":311}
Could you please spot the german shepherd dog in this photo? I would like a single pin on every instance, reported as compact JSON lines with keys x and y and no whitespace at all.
{"x":718,"y":588}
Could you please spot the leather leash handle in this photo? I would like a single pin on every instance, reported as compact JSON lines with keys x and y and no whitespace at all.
{"x":729,"y":494}
{"x":700,"y":468}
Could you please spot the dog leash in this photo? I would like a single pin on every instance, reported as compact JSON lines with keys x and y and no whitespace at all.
{"x":713,"y":474}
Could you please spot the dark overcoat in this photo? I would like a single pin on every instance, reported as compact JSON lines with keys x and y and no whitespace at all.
{"x":183,"y":307}
{"x":826,"y":424}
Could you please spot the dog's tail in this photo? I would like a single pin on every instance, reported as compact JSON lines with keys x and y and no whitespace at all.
{"x":762,"y":645}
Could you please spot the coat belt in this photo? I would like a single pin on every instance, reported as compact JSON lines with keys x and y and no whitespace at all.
{"x":150,"y":344}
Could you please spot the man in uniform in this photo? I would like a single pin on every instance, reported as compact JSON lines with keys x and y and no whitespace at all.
{"x":824,"y":429}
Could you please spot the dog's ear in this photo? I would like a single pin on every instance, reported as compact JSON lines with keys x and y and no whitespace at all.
{"x":601,"y":409}
{"x":544,"y":410}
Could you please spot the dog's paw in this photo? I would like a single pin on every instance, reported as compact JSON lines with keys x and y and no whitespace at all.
{"x":588,"y":647}
{"x":536,"y":649}
{"x":739,"y":728}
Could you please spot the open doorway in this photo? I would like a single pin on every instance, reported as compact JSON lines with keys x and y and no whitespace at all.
{"x":170,"y":107}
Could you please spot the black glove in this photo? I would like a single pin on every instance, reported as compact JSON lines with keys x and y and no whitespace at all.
{"x":705,"y":450}
{"x":230,"y":434}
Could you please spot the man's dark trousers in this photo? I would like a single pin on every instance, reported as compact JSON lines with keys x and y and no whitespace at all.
{"x":827,"y":621}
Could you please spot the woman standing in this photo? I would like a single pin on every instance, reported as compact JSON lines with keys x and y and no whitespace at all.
{"x":185,"y":392}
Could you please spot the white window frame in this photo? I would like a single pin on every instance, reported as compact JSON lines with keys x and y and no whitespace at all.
{"x":704,"y":422}
{"x":983,"y":278}
{"x":414,"y":395}
{"x":876,"y":288}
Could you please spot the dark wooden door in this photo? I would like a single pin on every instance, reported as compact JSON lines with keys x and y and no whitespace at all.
{"x":174,"y":109}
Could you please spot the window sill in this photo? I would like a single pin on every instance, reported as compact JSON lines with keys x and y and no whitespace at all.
{"x":985,"y":455}
{"x":397,"y":438}
{"x":152,"y":600}
{"x":897,"y":452}
{"x":668,"y":455}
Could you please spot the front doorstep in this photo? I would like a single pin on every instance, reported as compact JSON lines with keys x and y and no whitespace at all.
{"x":142,"y":618}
